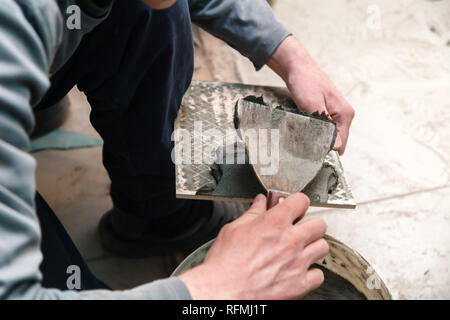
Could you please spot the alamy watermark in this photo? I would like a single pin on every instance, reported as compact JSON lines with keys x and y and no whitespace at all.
{"x":73,"y":281}
{"x":373,"y":23}
{"x":73,"y":19}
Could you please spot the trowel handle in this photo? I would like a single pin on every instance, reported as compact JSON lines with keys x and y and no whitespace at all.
{"x":274,"y":197}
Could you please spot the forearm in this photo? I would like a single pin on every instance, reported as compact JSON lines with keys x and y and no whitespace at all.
{"x":26,"y":49}
{"x":166,"y":289}
{"x":287,"y":57}
{"x":249,"y":26}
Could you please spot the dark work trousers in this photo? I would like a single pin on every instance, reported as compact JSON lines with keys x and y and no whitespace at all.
{"x":59,"y":254}
{"x":134,"y":69}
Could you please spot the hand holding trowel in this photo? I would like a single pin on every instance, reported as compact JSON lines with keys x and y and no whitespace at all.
{"x":304,"y":141}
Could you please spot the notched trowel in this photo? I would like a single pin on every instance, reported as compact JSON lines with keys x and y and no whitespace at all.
{"x":297,"y":143}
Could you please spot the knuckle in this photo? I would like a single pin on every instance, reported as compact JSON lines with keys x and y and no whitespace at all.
{"x":310,"y":103}
{"x":278,"y":220}
{"x":290,"y":244}
{"x":303,"y":261}
{"x":324,"y":247}
{"x":302,"y":236}
{"x":227,"y":229}
{"x":291,"y":237}
{"x":284,"y":208}
{"x":300,"y":198}
{"x":291,"y":248}
{"x":321,"y":277}
{"x":320,"y":224}
{"x":315,"y":281}
{"x":305,"y":199}
{"x":350,"y":112}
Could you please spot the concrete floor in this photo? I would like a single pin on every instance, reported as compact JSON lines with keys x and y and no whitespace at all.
{"x":396,"y":73}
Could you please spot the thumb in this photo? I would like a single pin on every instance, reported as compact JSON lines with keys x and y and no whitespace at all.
{"x":338,"y":144}
{"x":258,"y":207}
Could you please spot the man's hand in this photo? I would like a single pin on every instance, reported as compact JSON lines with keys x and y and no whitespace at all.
{"x":310,"y":87}
{"x":159,"y":4}
{"x":263,"y":255}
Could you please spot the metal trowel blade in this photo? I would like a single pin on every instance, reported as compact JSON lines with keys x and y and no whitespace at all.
{"x":299,"y":143}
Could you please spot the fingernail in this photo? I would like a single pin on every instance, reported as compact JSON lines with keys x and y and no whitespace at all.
{"x":260,"y":197}
{"x":337,"y":143}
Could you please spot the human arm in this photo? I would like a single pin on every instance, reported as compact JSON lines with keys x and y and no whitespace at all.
{"x":31,"y":33}
{"x":310,"y":87}
{"x":263,"y":255}
{"x":250,"y":27}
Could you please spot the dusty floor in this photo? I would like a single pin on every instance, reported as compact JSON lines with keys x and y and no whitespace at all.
{"x":395,"y":71}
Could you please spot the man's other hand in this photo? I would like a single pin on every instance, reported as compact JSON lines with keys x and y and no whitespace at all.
{"x":310,"y":87}
{"x":159,"y":4}
{"x":263,"y":255}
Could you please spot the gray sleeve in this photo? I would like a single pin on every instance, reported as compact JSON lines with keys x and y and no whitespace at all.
{"x":166,"y":289}
{"x":77,"y":24}
{"x":31,"y":33}
{"x":248,"y":26}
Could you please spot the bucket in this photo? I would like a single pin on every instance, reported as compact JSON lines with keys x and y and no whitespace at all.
{"x":348,"y":276}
